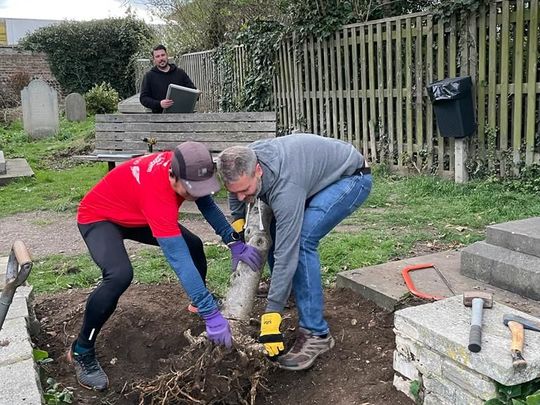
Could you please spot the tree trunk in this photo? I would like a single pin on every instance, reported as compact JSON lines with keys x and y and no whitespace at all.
{"x":244,"y":282}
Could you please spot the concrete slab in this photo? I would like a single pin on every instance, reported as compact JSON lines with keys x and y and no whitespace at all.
{"x":15,"y":169}
{"x":444,"y":326}
{"x":384,"y":283}
{"x":20,"y":384}
{"x":3,"y":268}
{"x":522,"y":236}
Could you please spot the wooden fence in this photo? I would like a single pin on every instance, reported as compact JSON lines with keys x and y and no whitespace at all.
{"x":367,"y":85}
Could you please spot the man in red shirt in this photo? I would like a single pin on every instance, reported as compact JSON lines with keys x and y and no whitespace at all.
{"x":140,"y":200}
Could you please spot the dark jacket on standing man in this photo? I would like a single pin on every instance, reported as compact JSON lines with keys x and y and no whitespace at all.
{"x":155,"y":83}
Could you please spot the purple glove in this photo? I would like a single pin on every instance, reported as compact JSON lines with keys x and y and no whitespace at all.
{"x":247,"y":254}
{"x":217,"y":329}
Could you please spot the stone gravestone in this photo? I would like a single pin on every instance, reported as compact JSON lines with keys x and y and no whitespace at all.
{"x":40,"y":109}
{"x":75,"y":107}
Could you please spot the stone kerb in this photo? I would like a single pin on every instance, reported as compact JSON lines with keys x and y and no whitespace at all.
{"x":19,"y":377}
{"x":431,"y":348}
{"x":2,"y":163}
{"x":75,"y":107}
{"x":40,"y":109}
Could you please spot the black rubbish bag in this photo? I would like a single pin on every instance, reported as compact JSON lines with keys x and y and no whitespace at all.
{"x":452,"y":101}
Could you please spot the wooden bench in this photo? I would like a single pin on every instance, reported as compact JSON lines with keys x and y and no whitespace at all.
{"x":120,"y":137}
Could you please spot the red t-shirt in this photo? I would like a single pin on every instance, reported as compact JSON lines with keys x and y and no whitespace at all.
{"x":136,"y":193}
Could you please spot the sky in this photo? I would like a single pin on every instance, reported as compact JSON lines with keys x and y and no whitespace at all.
{"x":71,"y":9}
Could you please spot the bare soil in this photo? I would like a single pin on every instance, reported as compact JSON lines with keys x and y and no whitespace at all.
{"x":146,"y":332}
{"x":145,"y":336}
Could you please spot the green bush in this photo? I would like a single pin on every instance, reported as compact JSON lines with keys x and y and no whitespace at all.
{"x":83,"y":53}
{"x":101,"y":99}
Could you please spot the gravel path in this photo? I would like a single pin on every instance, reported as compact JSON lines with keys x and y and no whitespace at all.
{"x":46,"y":233}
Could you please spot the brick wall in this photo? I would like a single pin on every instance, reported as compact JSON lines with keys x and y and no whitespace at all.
{"x":14,"y":60}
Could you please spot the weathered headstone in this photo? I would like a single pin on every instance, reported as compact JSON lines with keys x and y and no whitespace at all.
{"x":75,"y":107}
{"x":40,"y":109}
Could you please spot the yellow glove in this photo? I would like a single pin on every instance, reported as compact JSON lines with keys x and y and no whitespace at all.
{"x":270,"y":334}
{"x":238,"y":225}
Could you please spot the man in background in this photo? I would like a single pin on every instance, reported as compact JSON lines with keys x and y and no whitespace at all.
{"x":156,"y":81}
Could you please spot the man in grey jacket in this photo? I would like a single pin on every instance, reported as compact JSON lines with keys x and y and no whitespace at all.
{"x":311,"y":184}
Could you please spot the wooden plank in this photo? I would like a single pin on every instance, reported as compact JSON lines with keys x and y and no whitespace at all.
{"x":187,"y":126}
{"x":531,"y":83}
{"x":505,"y":77}
{"x":372,"y":122}
{"x":327,"y":100}
{"x":355,"y":83}
{"x":348,"y":100}
{"x":518,"y":82}
{"x":440,"y":76}
{"x":133,"y":146}
{"x":389,"y":94}
{"x":364,"y":88}
{"x":193,"y":117}
{"x":408,"y":88}
{"x":381,"y":128}
{"x":284,"y":102}
{"x":333,"y":81}
{"x":399,"y":94}
{"x":297,"y":88}
{"x":339,"y":67}
{"x":430,"y":134}
{"x":320,"y":87}
{"x":481,"y":87}
{"x":452,"y":62}
{"x":419,"y":103}
{"x":289,"y":89}
{"x":492,"y":68}
{"x":313,"y":91}
{"x":181,"y":136}
{"x":306,"y":94}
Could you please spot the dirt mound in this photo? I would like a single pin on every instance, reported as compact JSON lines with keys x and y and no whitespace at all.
{"x":143,"y":345}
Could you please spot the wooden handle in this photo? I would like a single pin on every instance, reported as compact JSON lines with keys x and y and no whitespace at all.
{"x":21,"y":253}
{"x":517,"y":335}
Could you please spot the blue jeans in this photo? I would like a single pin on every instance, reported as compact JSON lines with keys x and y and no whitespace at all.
{"x":324,"y":211}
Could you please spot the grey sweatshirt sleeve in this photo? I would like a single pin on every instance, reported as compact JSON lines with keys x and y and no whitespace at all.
{"x":288,"y":207}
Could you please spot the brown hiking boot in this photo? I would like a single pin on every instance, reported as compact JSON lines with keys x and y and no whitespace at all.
{"x":305,"y":350}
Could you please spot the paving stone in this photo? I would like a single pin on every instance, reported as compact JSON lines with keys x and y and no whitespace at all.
{"x":18,"y":309}
{"x":15,"y":169}
{"x":433,"y":399}
{"x":16,"y":345}
{"x":404,"y":366}
{"x":443,"y":327}
{"x":19,"y":384}
{"x":450,"y":392}
{"x":522,"y":236}
{"x":403,"y":385}
{"x":2,"y":163}
{"x":504,"y":268}
{"x":427,"y":362}
{"x":469,"y":380}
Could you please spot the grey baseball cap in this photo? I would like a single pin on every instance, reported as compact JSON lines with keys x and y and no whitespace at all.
{"x":192,"y":165}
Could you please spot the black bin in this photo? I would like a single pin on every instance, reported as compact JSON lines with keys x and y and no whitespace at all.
{"x":453,"y":104}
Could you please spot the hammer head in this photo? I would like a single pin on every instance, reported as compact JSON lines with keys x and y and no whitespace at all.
{"x":487,"y":297}
{"x":527,"y":323}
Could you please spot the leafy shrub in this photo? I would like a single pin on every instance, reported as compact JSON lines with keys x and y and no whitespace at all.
{"x":18,"y":81}
{"x":82,"y":53}
{"x":101,"y":99}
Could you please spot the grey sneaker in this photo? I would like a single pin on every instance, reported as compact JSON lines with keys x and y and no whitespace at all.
{"x":305,"y":350}
{"x":87,"y":369}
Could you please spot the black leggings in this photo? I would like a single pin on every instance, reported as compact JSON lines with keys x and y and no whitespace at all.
{"x":105,"y":241}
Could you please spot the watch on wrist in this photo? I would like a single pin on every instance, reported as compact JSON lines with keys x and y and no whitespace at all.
{"x":235,"y":236}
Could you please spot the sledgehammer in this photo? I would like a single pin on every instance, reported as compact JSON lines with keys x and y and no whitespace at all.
{"x":478,"y":300}
{"x":517,"y":324}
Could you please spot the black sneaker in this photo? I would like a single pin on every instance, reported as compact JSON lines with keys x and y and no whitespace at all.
{"x":87,"y":369}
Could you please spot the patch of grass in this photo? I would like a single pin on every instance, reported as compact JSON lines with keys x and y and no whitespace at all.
{"x":51,"y":188}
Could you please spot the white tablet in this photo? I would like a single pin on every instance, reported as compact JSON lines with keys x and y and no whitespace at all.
{"x":184,"y":99}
